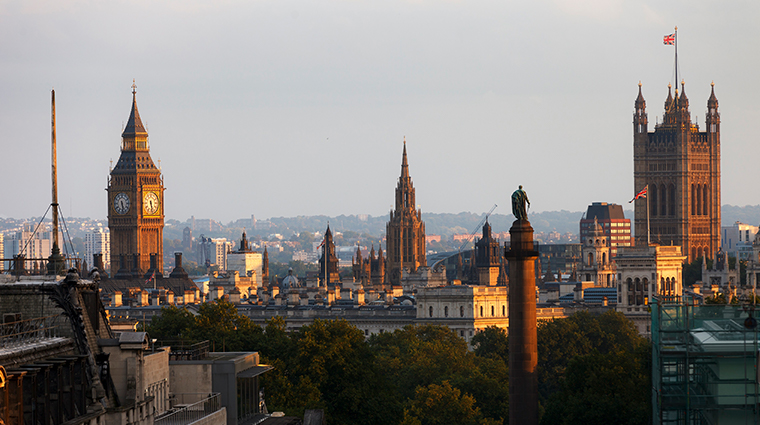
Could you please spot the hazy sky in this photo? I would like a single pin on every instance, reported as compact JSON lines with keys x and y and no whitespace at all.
{"x":285,"y":108}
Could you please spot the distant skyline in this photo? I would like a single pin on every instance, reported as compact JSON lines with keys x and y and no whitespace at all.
{"x":297,"y":108}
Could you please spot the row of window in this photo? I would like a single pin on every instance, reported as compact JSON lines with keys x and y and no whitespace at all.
{"x":461,"y":311}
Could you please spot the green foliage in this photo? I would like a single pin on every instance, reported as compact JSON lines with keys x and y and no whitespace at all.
{"x":174,"y":323}
{"x":329,"y":359}
{"x":441,"y":405}
{"x":589,"y":366}
{"x":692,"y":272}
{"x":560,"y":340}
{"x":419,"y":356}
{"x":225,"y":329}
{"x":603,"y":389}
{"x":491,"y":341}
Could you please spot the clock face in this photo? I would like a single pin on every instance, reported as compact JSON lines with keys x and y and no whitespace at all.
{"x":121,"y":203}
{"x":150,"y":203}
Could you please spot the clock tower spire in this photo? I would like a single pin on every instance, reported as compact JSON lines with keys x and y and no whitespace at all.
{"x":136,"y":205}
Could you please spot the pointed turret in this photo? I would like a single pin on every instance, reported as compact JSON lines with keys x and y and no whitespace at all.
{"x":358,"y":254}
{"x":640,"y":102}
{"x":712,"y":118}
{"x":640,"y":114}
{"x":134,"y":124}
{"x":669,"y":100}
{"x":265,"y":267}
{"x":712,"y":102}
{"x":372,"y":252}
{"x":683,"y":101}
{"x":404,"y":164}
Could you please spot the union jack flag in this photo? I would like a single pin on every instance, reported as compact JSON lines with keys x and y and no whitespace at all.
{"x":669,"y":39}
{"x":641,"y":194}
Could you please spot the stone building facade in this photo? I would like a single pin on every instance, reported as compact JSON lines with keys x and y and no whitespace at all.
{"x":680,"y":165}
{"x":645,"y":273}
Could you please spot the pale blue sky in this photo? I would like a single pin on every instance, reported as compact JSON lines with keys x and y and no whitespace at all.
{"x":285,"y":108}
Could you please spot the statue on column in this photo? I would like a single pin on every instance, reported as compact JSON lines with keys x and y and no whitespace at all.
{"x":519,"y":207}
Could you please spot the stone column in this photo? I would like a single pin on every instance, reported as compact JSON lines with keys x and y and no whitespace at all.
{"x":523,"y":346}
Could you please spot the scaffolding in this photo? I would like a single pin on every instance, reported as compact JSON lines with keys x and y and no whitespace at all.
{"x":704,"y":364}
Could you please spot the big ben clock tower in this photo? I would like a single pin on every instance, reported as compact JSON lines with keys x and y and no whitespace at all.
{"x":136,"y":204}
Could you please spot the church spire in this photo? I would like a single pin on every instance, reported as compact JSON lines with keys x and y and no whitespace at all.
{"x":405,"y":201}
{"x":404,"y":163}
{"x":134,"y":124}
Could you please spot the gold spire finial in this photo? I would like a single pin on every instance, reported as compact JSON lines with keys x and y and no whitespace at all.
{"x":134,"y":86}
{"x":676,"y":27}
{"x":639,"y":83}
{"x":404,"y":139}
{"x":712,"y":84}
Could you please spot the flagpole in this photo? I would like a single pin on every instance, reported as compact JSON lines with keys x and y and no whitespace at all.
{"x":676,"y":48}
{"x":647,"y":197}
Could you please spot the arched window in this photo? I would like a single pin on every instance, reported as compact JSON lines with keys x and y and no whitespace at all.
{"x":663,"y":206}
{"x":672,"y":200}
{"x":431,"y":311}
{"x":705,"y":201}
{"x":481,"y":311}
{"x":629,"y":286}
{"x":698,"y":200}
{"x":446,"y":311}
{"x":590,"y":258}
{"x":653,"y":200}
{"x":604,"y":258}
{"x":504,"y":310}
{"x":693,"y":200}
{"x":461,"y":311}
{"x":492,"y":312}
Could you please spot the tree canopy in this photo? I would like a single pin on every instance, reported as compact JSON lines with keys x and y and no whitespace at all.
{"x":591,"y":368}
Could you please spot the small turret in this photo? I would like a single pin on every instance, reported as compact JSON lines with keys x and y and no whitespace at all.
{"x":640,"y":114}
{"x":712,"y":117}
{"x":669,"y":100}
{"x":683,"y":101}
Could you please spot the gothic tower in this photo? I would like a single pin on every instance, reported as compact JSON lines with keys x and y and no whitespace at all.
{"x":405,"y":232}
{"x":488,"y":257}
{"x":681,"y":167}
{"x":597,"y":265}
{"x":136,"y":202}
{"x":328,"y":254}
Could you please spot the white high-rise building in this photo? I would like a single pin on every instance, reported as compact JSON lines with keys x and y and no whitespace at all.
{"x":35,"y":247}
{"x":213,"y":251}
{"x":736,"y":240}
{"x":98,"y":241}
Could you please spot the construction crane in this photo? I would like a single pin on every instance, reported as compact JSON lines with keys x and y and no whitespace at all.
{"x":469,"y":238}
